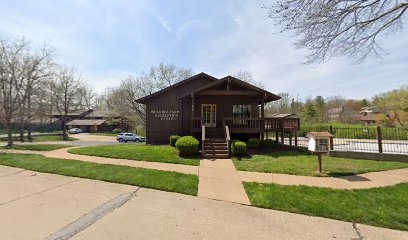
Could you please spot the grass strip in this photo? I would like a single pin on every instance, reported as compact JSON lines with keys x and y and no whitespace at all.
{"x":382,"y":207}
{"x":305,"y":164}
{"x":37,"y":147}
{"x":137,"y":152}
{"x":148,"y":178}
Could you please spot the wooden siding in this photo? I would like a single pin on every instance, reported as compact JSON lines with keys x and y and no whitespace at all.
{"x":159,"y":126}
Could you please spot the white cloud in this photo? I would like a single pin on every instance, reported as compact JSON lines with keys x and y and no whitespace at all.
{"x":165,"y":24}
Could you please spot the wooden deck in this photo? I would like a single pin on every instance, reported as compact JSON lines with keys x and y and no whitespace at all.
{"x":253,"y":125}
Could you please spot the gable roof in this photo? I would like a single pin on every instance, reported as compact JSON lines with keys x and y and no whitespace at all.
{"x":320,"y":134}
{"x":143,"y":99}
{"x":86,"y":122}
{"x":268,"y":95}
{"x":285,"y":115}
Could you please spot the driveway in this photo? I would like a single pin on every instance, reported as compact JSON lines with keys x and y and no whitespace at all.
{"x":46,"y":206}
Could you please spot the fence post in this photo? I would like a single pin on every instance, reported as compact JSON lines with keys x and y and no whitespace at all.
{"x":331,"y":138}
{"x":379,"y":139}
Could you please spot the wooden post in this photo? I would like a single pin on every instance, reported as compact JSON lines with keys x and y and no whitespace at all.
{"x":319,"y":159}
{"x":282,"y":132}
{"x":262,"y":123}
{"x":331,"y":139}
{"x":277,"y":137}
{"x":192,"y":113}
{"x":379,"y":139}
{"x":290,"y":138}
{"x":296,"y":139}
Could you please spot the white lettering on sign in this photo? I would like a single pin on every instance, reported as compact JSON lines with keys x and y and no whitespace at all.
{"x":165,"y":115}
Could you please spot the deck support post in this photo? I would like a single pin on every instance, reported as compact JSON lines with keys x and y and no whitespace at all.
{"x":192,"y":112}
{"x":282,"y":131}
{"x":262,"y":123}
{"x":290,"y":138}
{"x":296,"y":139}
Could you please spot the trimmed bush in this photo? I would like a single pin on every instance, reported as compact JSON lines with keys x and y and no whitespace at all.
{"x":267,"y":143}
{"x":253,"y":143}
{"x":117,"y":130}
{"x":238,"y":148}
{"x":173,"y":140}
{"x":188,"y":145}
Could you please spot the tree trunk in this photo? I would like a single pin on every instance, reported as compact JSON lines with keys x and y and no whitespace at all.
{"x":21,"y":138}
{"x":29,"y":136}
{"x":9,"y":135}
{"x":64,"y":130}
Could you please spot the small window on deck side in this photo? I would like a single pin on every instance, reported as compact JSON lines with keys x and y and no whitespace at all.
{"x":241,"y":111}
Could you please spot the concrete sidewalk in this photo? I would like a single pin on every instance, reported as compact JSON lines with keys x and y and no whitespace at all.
{"x":219,"y":180}
{"x":360,"y":181}
{"x":46,"y":206}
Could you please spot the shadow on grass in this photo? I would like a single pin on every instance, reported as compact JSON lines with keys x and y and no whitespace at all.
{"x":273,"y":153}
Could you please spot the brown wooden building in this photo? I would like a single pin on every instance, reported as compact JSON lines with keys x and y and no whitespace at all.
{"x":211,"y":109}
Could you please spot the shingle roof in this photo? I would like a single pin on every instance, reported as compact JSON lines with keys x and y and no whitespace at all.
{"x":320,"y":134}
{"x":86,"y":122}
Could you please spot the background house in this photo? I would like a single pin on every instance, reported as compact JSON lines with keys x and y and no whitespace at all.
{"x":95,"y":121}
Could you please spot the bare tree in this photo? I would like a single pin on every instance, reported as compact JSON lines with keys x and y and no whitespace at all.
{"x":282,"y":105}
{"x":13,"y":55}
{"x":121,"y":99}
{"x":339,"y":27}
{"x":247,"y":76}
{"x":66,"y":88}
{"x":87,"y":97}
{"x":37,"y":69}
{"x":163,"y":75}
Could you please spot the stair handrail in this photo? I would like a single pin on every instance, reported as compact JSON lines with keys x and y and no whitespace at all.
{"x":227,"y":138}
{"x":202,"y":140}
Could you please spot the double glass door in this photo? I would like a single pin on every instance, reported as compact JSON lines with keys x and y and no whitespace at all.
{"x":208,"y":114}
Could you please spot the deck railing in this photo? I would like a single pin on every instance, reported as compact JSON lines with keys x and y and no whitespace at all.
{"x":242,"y":123}
{"x":245,"y":125}
{"x":196,"y":123}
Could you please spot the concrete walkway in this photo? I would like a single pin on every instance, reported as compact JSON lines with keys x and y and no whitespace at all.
{"x":47,"y":206}
{"x":214,"y":171}
{"x":219,"y":180}
{"x":361,"y":181}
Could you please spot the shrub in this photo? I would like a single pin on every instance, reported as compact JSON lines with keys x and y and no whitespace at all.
{"x":117,"y":130}
{"x":253,"y":143}
{"x":188,"y":145}
{"x":238,"y":148}
{"x":267,"y":143}
{"x":173,"y":140}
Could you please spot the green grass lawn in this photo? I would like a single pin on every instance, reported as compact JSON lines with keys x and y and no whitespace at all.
{"x":382,"y":207}
{"x":161,"y":180}
{"x":105,"y":134}
{"x":37,"y":147}
{"x":301,"y":163}
{"x":139,"y":152}
{"x":41,"y":138}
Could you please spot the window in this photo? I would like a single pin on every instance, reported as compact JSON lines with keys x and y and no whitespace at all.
{"x":241,"y":111}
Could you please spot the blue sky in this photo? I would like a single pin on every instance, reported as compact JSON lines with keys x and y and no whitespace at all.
{"x":109,"y":40}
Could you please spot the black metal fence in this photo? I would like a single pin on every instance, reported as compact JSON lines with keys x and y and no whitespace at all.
{"x":358,"y":139}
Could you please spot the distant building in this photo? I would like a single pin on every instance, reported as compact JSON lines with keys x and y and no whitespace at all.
{"x":94,"y":121}
{"x":367,"y":115}
{"x":343,"y":114}
{"x":370,"y":110}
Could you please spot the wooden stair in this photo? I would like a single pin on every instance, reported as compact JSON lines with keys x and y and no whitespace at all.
{"x":215,"y":148}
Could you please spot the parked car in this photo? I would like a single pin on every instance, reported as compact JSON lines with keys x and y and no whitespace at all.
{"x":125,"y":137}
{"x":74,"y":130}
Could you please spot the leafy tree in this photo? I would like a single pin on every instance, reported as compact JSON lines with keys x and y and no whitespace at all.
{"x":395,"y":105}
{"x":309,"y":111}
{"x":364,"y":103}
{"x":339,"y":27}
{"x":321,"y":108}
